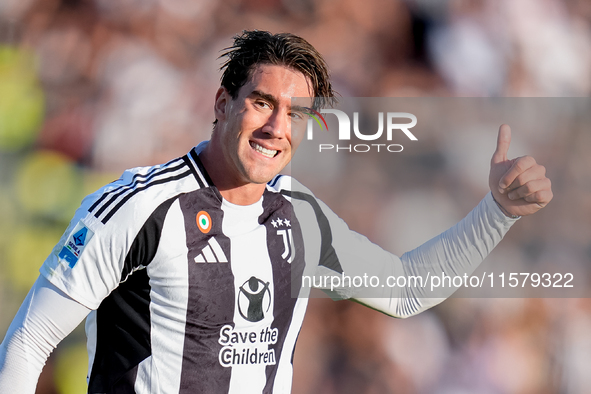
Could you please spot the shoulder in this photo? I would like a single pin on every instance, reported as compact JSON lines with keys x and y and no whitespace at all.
{"x":140,"y":190}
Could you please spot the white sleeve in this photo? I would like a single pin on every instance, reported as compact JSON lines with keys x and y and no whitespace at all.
{"x":455,"y":252}
{"x":87,"y":262}
{"x":95,"y":253}
{"x":46,"y":316}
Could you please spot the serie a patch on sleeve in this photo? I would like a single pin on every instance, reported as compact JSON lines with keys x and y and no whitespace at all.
{"x":75,"y":244}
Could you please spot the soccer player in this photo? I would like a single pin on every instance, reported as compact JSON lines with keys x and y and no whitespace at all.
{"x":184,"y":271}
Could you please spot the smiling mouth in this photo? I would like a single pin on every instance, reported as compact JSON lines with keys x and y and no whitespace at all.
{"x":264,"y":151}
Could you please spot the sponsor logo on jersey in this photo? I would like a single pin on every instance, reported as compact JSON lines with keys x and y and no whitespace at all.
{"x":75,"y":244}
{"x":211,"y":253}
{"x":254,"y":299}
{"x":284,"y":230}
{"x":203,"y":221}
{"x":247,"y":347}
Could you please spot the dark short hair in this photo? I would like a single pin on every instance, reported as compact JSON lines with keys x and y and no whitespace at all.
{"x":255,"y":47}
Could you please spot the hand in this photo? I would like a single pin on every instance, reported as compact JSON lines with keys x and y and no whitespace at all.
{"x":520,"y":185}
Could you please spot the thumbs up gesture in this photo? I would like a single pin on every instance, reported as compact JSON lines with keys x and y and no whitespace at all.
{"x":520,"y":185}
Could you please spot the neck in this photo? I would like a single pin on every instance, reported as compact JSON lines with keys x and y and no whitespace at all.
{"x":247,"y":194}
{"x":233,"y":190}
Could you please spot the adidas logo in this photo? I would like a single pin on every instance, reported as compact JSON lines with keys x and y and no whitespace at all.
{"x":211,"y":253}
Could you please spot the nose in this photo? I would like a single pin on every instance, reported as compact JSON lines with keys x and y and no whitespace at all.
{"x":277,"y":125}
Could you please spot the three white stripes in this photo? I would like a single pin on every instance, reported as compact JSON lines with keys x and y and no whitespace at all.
{"x":211,"y":253}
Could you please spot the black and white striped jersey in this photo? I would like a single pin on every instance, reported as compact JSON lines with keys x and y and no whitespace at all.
{"x":193,"y":294}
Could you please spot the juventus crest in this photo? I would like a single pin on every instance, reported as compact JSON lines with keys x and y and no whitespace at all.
{"x":283,"y":227}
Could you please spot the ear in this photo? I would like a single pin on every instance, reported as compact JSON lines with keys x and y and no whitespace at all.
{"x":222,"y":100}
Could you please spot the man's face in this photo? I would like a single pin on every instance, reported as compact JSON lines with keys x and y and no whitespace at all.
{"x":255,"y":130}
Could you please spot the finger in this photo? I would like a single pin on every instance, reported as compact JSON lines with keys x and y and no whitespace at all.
{"x":541,"y":197}
{"x":503,"y":142}
{"x":519,"y":166}
{"x":530,"y":188}
{"x":535,"y":172}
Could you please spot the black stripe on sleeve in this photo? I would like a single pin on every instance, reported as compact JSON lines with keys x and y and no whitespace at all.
{"x":133,"y":180}
{"x":139,"y":189}
{"x":115,"y":194}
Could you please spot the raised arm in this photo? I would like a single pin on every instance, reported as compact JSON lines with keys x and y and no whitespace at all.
{"x":519,"y":187}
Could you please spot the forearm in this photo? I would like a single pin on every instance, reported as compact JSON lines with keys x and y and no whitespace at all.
{"x":45,"y":318}
{"x":455,"y":252}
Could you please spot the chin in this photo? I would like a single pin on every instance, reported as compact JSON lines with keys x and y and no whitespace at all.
{"x":261,"y":178}
{"x":260,"y":174}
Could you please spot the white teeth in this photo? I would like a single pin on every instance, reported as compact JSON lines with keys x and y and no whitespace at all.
{"x":267,"y":152}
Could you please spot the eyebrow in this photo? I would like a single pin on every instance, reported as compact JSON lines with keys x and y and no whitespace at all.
{"x":265,"y":96}
{"x":270,"y":98}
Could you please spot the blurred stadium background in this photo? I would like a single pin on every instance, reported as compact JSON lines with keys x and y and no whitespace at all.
{"x":91,"y":87}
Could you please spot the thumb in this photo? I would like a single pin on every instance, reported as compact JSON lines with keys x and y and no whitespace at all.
{"x":503,"y":142}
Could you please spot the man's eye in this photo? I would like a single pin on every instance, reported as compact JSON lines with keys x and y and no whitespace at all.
{"x":262,"y":104}
{"x":297,"y":115}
